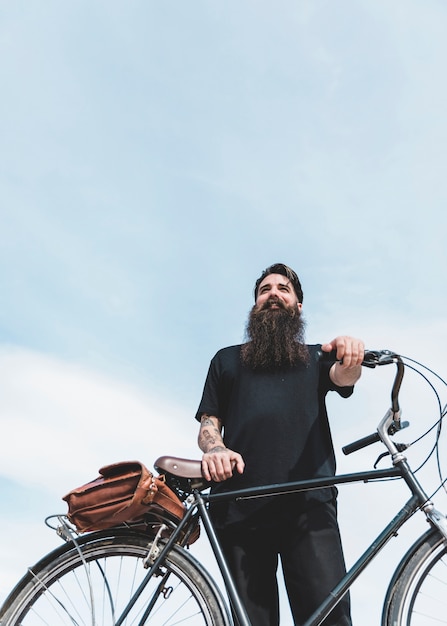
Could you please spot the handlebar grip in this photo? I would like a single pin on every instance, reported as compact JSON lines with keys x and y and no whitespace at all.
{"x":328,"y":357}
{"x":361,"y":443}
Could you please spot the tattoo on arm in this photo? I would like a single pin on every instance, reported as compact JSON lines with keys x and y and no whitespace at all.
{"x":207,"y":420}
{"x":210,"y":438}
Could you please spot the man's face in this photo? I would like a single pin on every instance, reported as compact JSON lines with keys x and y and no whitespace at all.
{"x":276,"y":287}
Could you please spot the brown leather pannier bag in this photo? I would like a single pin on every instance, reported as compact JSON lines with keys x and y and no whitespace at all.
{"x":124,"y":492}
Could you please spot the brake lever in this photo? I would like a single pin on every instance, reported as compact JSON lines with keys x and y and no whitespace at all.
{"x":373,"y":358}
{"x":400,"y":448}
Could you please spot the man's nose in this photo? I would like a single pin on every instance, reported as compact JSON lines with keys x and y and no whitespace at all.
{"x":273,"y":298}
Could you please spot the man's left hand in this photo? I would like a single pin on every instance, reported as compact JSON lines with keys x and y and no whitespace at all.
{"x":349,"y":353}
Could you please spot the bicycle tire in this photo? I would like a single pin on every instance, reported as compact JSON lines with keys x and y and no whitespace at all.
{"x":417,"y":593}
{"x":90,"y":583}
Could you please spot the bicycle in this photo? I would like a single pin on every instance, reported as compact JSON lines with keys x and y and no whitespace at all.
{"x":144,"y":574}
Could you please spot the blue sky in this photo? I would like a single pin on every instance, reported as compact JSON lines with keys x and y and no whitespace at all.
{"x":155,"y":158}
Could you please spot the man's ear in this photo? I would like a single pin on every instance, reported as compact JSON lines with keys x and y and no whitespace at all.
{"x":300,"y":306}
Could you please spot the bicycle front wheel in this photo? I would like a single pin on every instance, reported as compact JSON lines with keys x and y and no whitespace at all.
{"x":418,"y":594}
{"x":90,"y":585}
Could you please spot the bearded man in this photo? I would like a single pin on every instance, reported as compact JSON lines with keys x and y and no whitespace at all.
{"x":263,"y":420}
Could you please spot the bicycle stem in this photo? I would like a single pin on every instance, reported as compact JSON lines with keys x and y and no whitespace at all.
{"x":387,"y":426}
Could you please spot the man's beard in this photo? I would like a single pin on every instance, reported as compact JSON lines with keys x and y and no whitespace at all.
{"x":275,"y":337}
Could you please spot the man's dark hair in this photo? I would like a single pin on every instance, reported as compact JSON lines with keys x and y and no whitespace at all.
{"x":285,"y":270}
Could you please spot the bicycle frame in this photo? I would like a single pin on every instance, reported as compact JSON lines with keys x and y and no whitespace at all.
{"x":200,"y":502}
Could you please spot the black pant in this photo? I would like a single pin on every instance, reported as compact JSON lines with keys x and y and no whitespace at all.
{"x":311,"y":555}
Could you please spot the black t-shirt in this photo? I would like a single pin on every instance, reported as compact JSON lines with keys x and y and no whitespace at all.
{"x":277,"y":421}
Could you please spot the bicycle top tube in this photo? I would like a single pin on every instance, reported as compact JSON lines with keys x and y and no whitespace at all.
{"x":187,"y":470}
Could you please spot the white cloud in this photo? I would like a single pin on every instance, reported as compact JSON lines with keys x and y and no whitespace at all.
{"x":64,"y":421}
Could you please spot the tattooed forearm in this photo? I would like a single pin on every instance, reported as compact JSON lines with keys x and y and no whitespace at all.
{"x":210,"y":438}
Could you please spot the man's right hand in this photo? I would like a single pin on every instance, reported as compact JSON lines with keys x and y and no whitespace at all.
{"x":219,"y":462}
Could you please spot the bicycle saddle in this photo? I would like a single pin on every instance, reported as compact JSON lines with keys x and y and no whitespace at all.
{"x":182,"y":468}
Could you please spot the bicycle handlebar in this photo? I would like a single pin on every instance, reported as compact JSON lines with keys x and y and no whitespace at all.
{"x":372,"y":359}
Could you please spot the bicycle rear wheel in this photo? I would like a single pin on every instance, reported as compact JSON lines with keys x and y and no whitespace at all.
{"x":90,"y":586}
{"x":418,"y":593}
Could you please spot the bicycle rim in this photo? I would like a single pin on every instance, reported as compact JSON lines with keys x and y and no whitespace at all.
{"x":91,"y":586}
{"x":420,"y":597}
